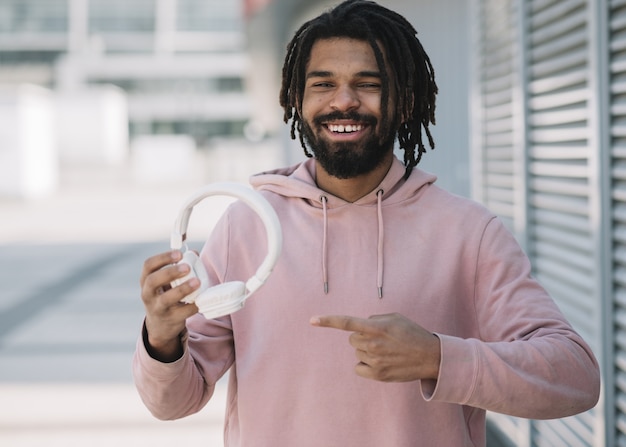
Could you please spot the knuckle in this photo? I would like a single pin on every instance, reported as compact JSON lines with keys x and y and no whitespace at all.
{"x":344,"y":322}
{"x":373,"y":346}
{"x":382,"y":374}
{"x":148,"y":284}
{"x":354,"y":339}
{"x":186,"y":288}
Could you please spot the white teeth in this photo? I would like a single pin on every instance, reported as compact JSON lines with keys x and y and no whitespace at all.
{"x":345,"y":129}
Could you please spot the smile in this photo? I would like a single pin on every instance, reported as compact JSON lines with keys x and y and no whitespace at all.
{"x":348,"y":128}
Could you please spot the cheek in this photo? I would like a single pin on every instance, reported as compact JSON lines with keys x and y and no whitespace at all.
{"x":373,"y":104}
{"x":311,"y":107}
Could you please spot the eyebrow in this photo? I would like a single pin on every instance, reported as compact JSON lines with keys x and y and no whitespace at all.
{"x":328,"y":74}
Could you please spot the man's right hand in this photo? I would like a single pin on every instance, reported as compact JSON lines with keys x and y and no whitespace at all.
{"x":165,"y":314}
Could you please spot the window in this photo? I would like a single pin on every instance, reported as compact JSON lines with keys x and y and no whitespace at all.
{"x":121,"y":15}
{"x":209,"y":15}
{"x":33,"y":16}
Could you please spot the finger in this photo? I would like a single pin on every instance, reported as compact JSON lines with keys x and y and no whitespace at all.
{"x":161,"y":278}
{"x":169,"y":300}
{"x":181,"y":291}
{"x":159,"y":261}
{"x":362,"y":356}
{"x":359,"y":340}
{"x":345,"y":323}
{"x":364,"y":370}
{"x":159,"y":284}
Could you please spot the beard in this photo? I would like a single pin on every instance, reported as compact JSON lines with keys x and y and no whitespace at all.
{"x":347,"y":160}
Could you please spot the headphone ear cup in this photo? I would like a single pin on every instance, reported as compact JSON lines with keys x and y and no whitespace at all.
{"x":222,"y":299}
{"x":197,"y":270}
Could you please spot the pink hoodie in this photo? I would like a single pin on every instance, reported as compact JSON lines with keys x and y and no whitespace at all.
{"x":440,"y":260}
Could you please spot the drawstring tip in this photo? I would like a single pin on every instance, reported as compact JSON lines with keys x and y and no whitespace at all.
{"x":380,"y":293}
{"x":325,"y":288}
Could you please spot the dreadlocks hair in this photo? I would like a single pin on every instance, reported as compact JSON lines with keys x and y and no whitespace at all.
{"x":412,"y":75}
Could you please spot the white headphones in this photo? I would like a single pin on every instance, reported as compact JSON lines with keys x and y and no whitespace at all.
{"x":228,"y":297}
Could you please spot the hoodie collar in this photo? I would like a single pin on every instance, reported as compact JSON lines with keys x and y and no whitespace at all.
{"x":299,"y":181}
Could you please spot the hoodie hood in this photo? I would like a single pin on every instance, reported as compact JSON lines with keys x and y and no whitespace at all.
{"x":299,"y":182}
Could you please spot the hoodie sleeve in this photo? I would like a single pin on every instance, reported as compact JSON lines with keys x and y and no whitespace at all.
{"x":178,"y":389}
{"x":527,"y":360}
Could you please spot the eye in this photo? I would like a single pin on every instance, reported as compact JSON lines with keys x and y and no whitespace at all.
{"x":322,"y":84}
{"x":370,"y":85}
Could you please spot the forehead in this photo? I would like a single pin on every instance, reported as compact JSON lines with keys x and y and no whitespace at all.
{"x":341,"y":53}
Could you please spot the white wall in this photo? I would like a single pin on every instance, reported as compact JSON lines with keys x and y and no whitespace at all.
{"x":28,"y":151}
{"x":443,"y":31}
{"x":92,"y":125}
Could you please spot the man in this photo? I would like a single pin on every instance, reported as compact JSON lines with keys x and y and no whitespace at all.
{"x":427,"y":290}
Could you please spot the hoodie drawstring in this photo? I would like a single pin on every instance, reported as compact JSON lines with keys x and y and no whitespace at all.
{"x":381,"y":245}
{"x":324,"y":201}
{"x":381,"y":234}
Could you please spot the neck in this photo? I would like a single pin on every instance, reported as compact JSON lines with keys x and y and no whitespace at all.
{"x":352,"y":189}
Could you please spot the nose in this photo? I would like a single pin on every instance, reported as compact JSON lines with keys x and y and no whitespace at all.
{"x":345,"y":98}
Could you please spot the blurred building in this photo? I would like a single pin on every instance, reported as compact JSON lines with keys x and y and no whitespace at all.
{"x":181,"y":63}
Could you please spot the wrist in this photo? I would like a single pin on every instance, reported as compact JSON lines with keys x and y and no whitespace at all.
{"x":435,"y":358}
{"x":163,"y":350}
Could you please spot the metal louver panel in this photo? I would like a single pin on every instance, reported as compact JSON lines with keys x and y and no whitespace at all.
{"x":495,"y":38}
{"x":560,"y":239}
{"x":618,"y":163}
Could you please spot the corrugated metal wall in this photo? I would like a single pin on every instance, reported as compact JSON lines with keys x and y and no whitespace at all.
{"x":537,"y":97}
{"x":617,"y":28}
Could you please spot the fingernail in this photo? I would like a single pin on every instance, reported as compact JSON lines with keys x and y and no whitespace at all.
{"x":176,"y":255}
{"x":315,"y":321}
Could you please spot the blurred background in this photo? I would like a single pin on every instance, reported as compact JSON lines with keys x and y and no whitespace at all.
{"x":113,"y":111}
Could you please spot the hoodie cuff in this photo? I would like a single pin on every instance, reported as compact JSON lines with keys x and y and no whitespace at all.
{"x":158,"y":367}
{"x":458,"y":367}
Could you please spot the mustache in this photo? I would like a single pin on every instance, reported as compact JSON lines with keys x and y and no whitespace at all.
{"x":352,"y":116}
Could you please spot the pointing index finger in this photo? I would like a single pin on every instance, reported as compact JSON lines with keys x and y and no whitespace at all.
{"x":344,"y":323}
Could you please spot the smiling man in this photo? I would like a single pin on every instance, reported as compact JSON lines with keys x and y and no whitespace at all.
{"x":397,"y":313}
